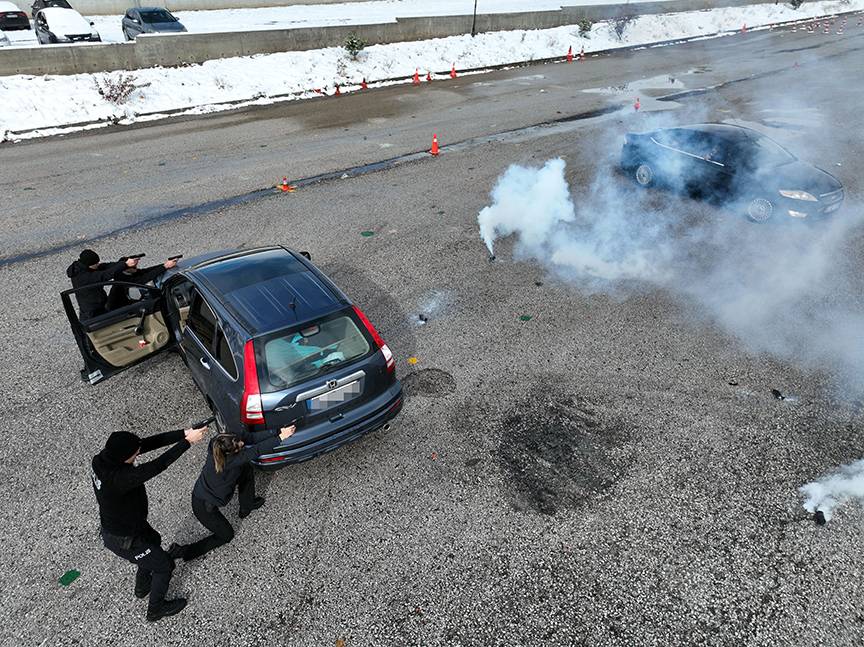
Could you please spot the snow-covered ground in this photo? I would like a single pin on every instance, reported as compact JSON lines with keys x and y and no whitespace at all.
{"x":374,"y":11}
{"x":49,"y":102}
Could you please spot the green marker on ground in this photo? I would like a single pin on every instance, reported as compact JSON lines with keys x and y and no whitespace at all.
{"x":69,"y":577}
{"x":366,"y":234}
{"x":525,"y":318}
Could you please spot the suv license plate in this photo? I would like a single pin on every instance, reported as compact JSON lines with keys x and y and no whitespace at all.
{"x":335,"y":397}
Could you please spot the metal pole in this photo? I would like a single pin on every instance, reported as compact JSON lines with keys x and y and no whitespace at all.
{"x":474,"y":21}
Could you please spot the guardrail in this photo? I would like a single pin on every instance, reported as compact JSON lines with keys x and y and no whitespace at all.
{"x":185,"y":49}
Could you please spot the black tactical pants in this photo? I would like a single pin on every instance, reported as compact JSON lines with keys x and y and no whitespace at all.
{"x":154,"y":564}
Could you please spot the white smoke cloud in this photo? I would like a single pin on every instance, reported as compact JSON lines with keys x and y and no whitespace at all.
{"x":779,"y":289}
{"x":535,"y":204}
{"x":832,"y":490}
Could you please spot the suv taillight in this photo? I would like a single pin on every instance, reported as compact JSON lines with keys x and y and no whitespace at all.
{"x":251,"y":408}
{"x":383,"y":347}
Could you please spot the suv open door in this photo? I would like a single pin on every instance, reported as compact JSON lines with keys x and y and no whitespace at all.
{"x":114,"y":341}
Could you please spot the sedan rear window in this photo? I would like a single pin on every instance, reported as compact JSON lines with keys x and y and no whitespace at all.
{"x":311,"y":351}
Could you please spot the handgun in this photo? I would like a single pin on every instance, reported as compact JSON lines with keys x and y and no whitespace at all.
{"x":135,"y":256}
{"x":204,"y":423}
{"x":175,"y":258}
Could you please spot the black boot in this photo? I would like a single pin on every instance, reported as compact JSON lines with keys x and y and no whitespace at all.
{"x":167,"y":608}
{"x":257,"y":503}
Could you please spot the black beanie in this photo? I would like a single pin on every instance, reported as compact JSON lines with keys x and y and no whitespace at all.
{"x":121,"y":445}
{"x":88,"y":257}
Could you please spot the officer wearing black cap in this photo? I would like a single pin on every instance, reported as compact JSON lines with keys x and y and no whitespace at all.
{"x":89,"y":270}
{"x":119,"y":486}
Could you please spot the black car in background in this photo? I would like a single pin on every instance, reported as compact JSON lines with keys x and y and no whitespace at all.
{"x":149,"y":20}
{"x":269,"y":340}
{"x":732,"y":166}
{"x":12,"y":18}
{"x":38,"y":5}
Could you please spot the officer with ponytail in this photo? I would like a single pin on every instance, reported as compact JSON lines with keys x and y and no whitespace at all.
{"x":228,"y":467}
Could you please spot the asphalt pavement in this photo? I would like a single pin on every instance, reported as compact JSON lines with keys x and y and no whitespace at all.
{"x":574,"y":465}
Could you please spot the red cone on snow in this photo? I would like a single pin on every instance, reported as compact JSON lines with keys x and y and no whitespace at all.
{"x":416,"y":78}
{"x":318,"y":90}
{"x":582,"y":54}
{"x":285,"y":187}
{"x":637,"y":105}
{"x":453,"y":71}
{"x":570,"y":54}
{"x":428,"y":76}
{"x":363,"y":85}
{"x":338,"y":92}
{"x":434,"y":149}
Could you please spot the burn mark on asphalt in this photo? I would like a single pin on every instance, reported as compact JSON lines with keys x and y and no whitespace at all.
{"x":559,"y":453}
{"x":429,"y":382}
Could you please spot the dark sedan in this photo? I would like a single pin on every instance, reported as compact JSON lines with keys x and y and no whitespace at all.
{"x":150,"y":20}
{"x":12,"y":18}
{"x":733,"y":166}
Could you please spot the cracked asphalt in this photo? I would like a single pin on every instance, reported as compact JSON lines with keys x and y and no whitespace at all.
{"x":571,"y":467}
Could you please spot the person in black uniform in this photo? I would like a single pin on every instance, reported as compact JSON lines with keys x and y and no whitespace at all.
{"x":89,"y":270}
{"x":227,"y":467}
{"x":122,"y":497}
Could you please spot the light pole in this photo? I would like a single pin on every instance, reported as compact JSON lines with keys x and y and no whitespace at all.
{"x":474,"y":20}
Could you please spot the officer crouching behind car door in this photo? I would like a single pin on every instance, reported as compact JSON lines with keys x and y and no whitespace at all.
{"x":119,"y":487}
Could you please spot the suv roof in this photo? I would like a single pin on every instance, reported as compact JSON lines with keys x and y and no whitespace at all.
{"x":268,"y":289}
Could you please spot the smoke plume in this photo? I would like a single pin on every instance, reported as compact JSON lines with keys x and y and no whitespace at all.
{"x":832,"y":490}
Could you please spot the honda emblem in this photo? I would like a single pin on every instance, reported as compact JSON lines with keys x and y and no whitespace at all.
{"x":331,"y":384}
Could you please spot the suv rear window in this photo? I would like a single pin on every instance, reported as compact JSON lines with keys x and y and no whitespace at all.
{"x":312,"y":350}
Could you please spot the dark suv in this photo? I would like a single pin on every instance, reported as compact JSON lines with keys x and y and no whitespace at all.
{"x":269,"y":340}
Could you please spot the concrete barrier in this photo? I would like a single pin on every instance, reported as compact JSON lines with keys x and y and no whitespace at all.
{"x":118,"y":7}
{"x":185,"y":49}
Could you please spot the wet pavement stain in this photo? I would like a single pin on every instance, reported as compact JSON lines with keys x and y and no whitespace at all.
{"x":559,"y":453}
{"x":429,"y":382}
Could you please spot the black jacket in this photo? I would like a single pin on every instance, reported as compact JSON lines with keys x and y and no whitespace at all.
{"x":92,"y":303}
{"x":218,"y":488}
{"x":119,"y":487}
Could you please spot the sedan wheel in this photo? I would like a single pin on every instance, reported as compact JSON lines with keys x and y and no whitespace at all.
{"x":644,"y":175}
{"x":760,"y":210}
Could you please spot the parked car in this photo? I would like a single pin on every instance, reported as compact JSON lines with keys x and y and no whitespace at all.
{"x":735,"y":166}
{"x":39,"y":5}
{"x":12,"y":18}
{"x":58,"y":25}
{"x":269,"y":340}
{"x":149,"y":20}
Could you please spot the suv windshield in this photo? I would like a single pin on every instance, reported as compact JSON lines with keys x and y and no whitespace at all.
{"x":312,"y":350}
{"x":160,"y":15}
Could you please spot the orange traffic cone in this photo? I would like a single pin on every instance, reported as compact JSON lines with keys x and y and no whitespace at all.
{"x":453,"y":71}
{"x":428,"y":77}
{"x":285,"y":187}
{"x":570,"y":54}
{"x":363,"y":85}
{"x":434,"y":150}
{"x":637,"y":105}
{"x":744,"y":28}
{"x":582,"y":54}
{"x":416,"y":78}
{"x":337,"y":93}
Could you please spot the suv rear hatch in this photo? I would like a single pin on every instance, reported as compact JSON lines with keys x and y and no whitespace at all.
{"x":314,"y":373}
